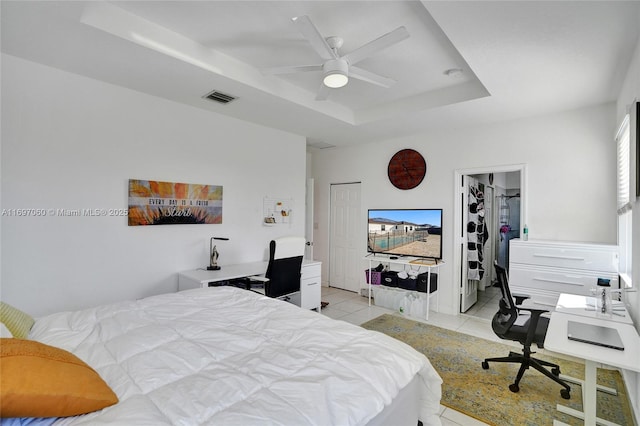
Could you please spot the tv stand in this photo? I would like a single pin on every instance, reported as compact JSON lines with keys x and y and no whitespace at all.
{"x":422,"y":265}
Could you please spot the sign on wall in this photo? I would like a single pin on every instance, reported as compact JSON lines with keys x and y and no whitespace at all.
{"x":170,"y":203}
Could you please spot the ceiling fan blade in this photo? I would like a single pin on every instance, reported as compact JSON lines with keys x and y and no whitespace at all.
{"x":377,"y":45}
{"x":311,"y":33}
{"x":323,"y":93}
{"x":291,"y":69}
{"x":370,"y":77}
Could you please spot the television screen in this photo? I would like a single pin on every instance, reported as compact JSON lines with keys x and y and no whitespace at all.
{"x":405,"y":232}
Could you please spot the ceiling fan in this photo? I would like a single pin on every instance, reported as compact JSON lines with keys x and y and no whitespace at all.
{"x":338,"y":69}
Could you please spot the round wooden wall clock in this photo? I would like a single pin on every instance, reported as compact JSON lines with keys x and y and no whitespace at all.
{"x":407,"y":169}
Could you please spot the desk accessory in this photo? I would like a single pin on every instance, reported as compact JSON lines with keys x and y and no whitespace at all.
{"x":213,"y":254}
{"x":603,"y":293}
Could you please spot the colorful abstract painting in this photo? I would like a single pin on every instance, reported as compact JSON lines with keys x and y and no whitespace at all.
{"x":169,"y":203}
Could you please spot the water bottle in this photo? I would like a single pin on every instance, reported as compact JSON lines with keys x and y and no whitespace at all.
{"x":525,"y":233}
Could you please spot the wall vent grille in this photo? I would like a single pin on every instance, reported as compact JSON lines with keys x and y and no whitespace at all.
{"x":220,"y":97}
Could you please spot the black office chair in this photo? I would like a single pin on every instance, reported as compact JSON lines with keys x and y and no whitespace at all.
{"x":533,"y":330}
{"x":284,"y":268}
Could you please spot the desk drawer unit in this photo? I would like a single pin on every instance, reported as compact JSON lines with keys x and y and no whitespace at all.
{"x":310,"y":285}
{"x":544,"y":269}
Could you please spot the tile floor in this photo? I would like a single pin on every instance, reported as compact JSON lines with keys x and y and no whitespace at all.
{"x":351,"y":307}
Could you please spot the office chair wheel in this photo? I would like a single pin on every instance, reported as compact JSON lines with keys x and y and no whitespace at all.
{"x":514,"y":388}
{"x":555,"y":371}
{"x":485,"y":365}
{"x":564,"y":393}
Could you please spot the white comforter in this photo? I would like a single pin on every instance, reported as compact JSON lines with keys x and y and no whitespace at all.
{"x":228,"y":356}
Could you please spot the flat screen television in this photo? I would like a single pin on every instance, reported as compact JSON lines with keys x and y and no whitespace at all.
{"x":405,"y":232}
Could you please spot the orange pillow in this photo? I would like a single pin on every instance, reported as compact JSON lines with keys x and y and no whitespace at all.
{"x":37,"y":380}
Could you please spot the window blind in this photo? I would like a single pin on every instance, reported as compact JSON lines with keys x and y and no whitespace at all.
{"x":622,"y":142}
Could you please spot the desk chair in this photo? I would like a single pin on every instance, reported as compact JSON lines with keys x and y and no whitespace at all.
{"x":284,"y":268}
{"x":510,"y":323}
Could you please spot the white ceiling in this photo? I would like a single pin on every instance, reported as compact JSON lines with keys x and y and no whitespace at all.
{"x":519,"y":58}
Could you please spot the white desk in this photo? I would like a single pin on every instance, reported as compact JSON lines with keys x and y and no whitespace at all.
{"x":202,"y":278}
{"x":593,"y":355}
{"x":310,"y":284}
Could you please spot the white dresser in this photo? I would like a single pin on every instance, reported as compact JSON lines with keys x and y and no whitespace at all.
{"x":544,"y":269}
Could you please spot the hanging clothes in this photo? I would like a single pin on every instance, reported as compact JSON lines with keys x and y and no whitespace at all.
{"x":477,"y":233}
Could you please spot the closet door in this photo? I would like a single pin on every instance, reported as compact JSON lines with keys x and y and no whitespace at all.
{"x":346,"y":237}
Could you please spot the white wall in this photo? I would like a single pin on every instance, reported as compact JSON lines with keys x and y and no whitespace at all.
{"x":72,"y":142}
{"x":570,"y":166}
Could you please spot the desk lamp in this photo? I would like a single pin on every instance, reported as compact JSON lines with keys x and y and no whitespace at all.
{"x":213,"y":254}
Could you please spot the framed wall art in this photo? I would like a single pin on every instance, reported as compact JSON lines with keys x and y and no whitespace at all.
{"x":170,"y":203}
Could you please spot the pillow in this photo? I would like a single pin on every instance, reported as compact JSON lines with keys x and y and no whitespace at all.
{"x":4,"y":331}
{"x":18,"y":322}
{"x":38,"y":380}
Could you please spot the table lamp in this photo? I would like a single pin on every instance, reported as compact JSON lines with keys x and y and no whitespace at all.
{"x":213,"y":254}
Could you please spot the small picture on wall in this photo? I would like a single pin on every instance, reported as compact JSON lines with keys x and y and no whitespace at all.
{"x":170,"y":203}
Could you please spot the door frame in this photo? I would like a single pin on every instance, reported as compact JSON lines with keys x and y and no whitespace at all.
{"x":457,"y":215}
{"x":308,"y":220}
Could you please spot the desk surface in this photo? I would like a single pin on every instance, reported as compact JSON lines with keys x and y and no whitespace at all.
{"x":230,"y":272}
{"x":557,"y":341}
{"x":586,"y":306}
{"x":227,"y":272}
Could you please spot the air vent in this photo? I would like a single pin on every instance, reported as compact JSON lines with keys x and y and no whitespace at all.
{"x":319,"y":144}
{"x":220,"y":97}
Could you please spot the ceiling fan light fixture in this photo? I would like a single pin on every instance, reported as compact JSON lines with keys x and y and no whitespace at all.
{"x":335,"y":80}
{"x":335,"y":73}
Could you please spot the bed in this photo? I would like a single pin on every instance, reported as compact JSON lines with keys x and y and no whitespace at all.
{"x":227,"y":356}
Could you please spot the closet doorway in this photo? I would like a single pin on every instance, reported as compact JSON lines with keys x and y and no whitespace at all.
{"x":489,"y":211}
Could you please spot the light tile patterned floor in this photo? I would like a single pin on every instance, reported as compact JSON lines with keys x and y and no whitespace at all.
{"x":353,"y":308}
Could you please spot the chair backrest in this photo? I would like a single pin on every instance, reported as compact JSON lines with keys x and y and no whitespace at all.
{"x":507,"y":311}
{"x":285,"y":265}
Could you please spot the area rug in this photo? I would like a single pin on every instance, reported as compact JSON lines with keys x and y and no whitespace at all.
{"x":485,"y":394}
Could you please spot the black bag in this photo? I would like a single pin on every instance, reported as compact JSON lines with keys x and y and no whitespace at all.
{"x":408,"y":283}
{"x":422,"y":282}
{"x":390,"y":278}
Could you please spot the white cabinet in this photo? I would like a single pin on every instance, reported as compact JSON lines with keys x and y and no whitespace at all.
{"x":310,"y":287}
{"x":544,"y":269}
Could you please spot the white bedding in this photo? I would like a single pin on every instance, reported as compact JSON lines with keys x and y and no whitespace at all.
{"x":228,"y":356}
